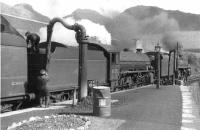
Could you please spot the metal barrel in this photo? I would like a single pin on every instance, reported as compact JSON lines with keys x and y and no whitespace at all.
{"x":101,"y":101}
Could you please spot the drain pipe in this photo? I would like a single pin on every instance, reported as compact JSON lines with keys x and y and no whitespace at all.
{"x":82,"y":41}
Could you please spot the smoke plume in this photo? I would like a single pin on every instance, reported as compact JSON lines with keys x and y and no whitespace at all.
{"x":67,"y":37}
{"x":169,"y":41}
{"x":126,"y":27}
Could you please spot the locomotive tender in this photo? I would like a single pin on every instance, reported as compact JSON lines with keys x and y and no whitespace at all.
{"x":105,"y":66}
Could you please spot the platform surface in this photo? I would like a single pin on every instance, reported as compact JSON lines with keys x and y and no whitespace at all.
{"x":147,"y":108}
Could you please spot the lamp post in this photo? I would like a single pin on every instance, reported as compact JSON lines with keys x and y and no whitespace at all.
{"x":157,"y":50}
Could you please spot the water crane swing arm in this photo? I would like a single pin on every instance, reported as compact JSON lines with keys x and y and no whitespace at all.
{"x":79,"y":29}
{"x":82,"y":41}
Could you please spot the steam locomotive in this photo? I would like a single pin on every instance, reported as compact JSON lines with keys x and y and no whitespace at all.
{"x":105,"y":66}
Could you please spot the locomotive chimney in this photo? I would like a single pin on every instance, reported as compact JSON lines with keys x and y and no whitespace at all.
{"x":139,"y":47}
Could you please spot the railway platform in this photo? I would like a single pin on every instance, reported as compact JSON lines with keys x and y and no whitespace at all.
{"x":145,"y":108}
{"x":167,"y":108}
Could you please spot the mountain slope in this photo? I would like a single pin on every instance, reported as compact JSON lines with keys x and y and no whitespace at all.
{"x":186,"y":21}
{"x":90,"y":15}
{"x":23,"y":10}
{"x":23,"y":18}
{"x":147,"y":23}
{"x":144,"y":22}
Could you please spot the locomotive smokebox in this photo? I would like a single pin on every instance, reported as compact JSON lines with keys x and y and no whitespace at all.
{"x":139,"y":47}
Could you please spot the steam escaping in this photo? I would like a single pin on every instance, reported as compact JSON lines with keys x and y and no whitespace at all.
{"x":67,"y":37}
{"x":96,"y":30}
{"x":139,"y":44}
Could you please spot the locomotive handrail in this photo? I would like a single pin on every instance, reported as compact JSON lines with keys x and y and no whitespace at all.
{"x":137,"y":71}
{"x":79,"y":29}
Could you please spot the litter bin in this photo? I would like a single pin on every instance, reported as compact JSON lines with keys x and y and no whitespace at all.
{"x":101,"y":101}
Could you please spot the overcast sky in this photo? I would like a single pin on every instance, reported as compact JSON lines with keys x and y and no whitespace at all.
{"x":52,"y":8}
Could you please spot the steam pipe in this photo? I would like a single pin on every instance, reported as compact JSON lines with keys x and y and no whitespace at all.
{"x":81,"y":39}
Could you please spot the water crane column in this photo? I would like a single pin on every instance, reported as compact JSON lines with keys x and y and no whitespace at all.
{"x":81,"y":39}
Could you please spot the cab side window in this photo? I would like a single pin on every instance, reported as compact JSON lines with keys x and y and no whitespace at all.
{"x":2,"y":28}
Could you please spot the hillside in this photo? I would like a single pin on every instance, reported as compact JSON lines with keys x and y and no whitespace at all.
{"x":147,"y":23}
{"x":23,"y":10}
{"x":90,"y":15}
{"x":186,"y":21}
{"x":25,"y":18}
